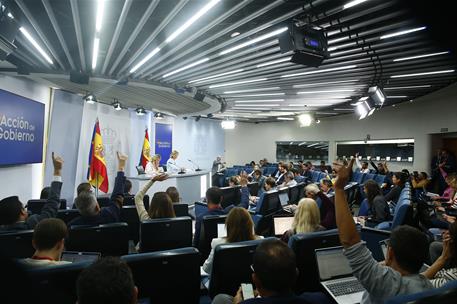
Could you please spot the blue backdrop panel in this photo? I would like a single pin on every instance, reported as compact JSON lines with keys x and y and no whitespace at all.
{"x":21,"y":129}
{"x":163,"y":140}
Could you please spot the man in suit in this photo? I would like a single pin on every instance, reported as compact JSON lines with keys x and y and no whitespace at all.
{"x":91,"y":213}
{"x":213,"y":200}
{"x":13,"y":215}
{"x":274,"y":275}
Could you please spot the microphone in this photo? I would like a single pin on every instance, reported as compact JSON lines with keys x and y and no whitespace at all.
{"x":198,"y":167}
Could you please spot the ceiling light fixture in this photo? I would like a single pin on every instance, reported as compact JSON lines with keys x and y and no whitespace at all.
{"x":422,"y":74}
{"x":325,"y":91}
{"x":258,"y":100}
{"x":305,"y":120}
{"x":143,"y":61}
{"x":255,"y":40}
{"x":99,"y":17}
{"x":409,"y":87}
{"x":256,"y":105}
{"x":420,"y":56}
{"x":353,"y":3}
{"x":186,"y":67}
{"x":397,"y":96}
{"x":95,"y":52}
{"x":400,"y":33}
{"x":228,"y":124}
{"x":285,"y":118}
{"x":346,"y":67}
{"x":140,"y":111}
{"x":117,"y":106}
{"x":261,"y":95}
{"x":236,"y":83}
{"x":217,"y":75}
{"x":35,"y":44}
{"x":274,"y":61}
{"x":253,"y":90}
{"x":90,"y":99}
{"x":158,"y":115}
{"x":194,"y":18}
{"x":234,"y":34}
{"x":318,"y":121}
{"x":297,"y":86}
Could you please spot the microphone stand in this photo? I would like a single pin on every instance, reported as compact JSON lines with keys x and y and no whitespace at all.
{"x":195,"y":165}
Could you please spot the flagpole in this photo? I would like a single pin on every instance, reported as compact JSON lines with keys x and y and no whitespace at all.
{"x":96,"y":188}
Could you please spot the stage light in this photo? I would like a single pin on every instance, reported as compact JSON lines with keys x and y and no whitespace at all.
{"x":158,"y":115}
{"x":305,"y":120}
{"x":90,"y":99}
{"x":140,"y":111}
{"x":228,"y":124}
{"x":117,"y":106}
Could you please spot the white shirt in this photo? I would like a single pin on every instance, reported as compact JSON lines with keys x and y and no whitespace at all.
{"x":150,"y":170}
{"x":172,"y":167}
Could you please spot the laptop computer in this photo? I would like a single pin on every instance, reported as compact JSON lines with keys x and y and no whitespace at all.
{"x":336,"y":276}
{"x":221,"y":231}
{"x":284,"y":198}
{"x":75,"y":256}
{"x":281,"y":224}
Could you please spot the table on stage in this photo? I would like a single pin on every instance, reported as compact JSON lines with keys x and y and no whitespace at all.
{"x":191,"y":186}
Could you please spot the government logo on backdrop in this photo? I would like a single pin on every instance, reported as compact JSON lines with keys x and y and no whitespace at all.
{"x":21,"y":129}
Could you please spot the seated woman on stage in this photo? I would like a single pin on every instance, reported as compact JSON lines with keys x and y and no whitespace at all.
{"x":160,"y":206}
{"x":239,"y":227}
{"x":153,"y":167}
{"x":172,"y":167}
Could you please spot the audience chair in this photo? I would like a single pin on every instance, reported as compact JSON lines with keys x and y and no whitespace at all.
{"x":253,"y":188}
{"x":372,"y":237}
{"x":108,"y":239}
{"x":129,"y":215}
{"x":67,"y":215}
{"x":171,"y":276}
{"x":208,"y":232}
{"x":304,"y":246}
{"x":165,"y":233}
{"x":443,"y":295}
{"x":16,"y":244}
{"x":231,"y":267}
{"x":35,"y":206}
{"x":181,"y":209}
{"x":55,"y":284}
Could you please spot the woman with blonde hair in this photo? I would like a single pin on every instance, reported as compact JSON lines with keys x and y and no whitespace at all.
{"x":153,"y":167}
{"x":307,"y":219}
{"x":172,"y":167}
{"x":239,"y":227}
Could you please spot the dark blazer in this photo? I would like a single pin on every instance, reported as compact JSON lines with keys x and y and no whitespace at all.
{"x":49,"y":210}
{"x":327,"y":210}
{"x":394,"y":194}
{"x":109,"y":214}
{"x":379,"y":210}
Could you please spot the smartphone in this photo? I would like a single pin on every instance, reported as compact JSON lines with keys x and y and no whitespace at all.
{"x":247,"y":290}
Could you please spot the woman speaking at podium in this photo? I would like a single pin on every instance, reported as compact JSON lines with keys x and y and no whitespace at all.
{"x":172,"y":167}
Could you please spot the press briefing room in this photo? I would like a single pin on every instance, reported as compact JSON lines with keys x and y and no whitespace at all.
{"x":228,"y":151}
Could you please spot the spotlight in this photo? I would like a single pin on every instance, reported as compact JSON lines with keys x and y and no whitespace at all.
{"x":305,"y":120}
{"x":318,"y":121}
{"x":209,"y":115}
{"x":377,"y":95}
{"x":184,"y":117}
{"x":140,"y":111}
{"x":117,"y":106}
{"x":90,"y":99}
{"x":228,"y":124}
{"x":197,"y":118}
{"x":158,"y":115}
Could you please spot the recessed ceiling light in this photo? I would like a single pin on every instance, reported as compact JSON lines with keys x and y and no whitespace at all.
{"x":95,"y":53}
{"x":217,"y":75}
{"x":400,"y":33}
{"x":234,"y":34}
{"x":398,"y":96}
{"x":322,"y":83}
{"x":422,"y":74}
{"x":274,"y":61}
{"x":258,"y":100}
{"x":35,"y":44}
{"x":252,"y":90}
{"x":99,"y":17}
{"x":326,"y":91}
{"x":260,"y":95}
{"x":420,"y":56}
{"x":255,"y":40}
{"x":353,"y":3}
{"x":409,"y":87}
{"x":186,"y":67}
{"x":143,"y":61}
{"x":257,"y":105}
{"x":236,"y":83}
{"x":285,"y":118}
{"x":320,"y":71}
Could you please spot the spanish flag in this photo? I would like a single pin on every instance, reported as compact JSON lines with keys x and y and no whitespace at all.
{"x":97,"y":174}
{"x":145,"y":156}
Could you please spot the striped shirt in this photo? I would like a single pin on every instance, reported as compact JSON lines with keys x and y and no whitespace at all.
{"x":444,"y":276}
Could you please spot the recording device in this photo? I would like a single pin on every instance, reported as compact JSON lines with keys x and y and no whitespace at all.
{"x":247,"y":291}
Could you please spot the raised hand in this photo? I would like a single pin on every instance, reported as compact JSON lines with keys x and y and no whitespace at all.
{"x":121,"y":160}
{"x":343,"y":173}
{"x":160,"y":177}
{"x":57,"y":162}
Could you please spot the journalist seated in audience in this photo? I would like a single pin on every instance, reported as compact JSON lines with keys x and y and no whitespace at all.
{"x":378,"y":209}
{"x":297,"y":177}
{"x":289,"y":180}
{"x":259,"y":178}
{"x":277,"y":172}
{"x":326,"y":206}
{"x":398,"y":181}
{"x":173,"y":194}
{"x":82,"y":187}
{"x":160,"y":205}
{"x":270,"y":184}
{"x":449,"y":192}
{"x":420,"y":181}
{"x":274,"y":275}
{"x":327,"y":186}
{"x":213,"y":200}
{"x":239,"y":227}
{"x":108,"y":280}
{"x":363,"y":167}
{"x":307,"y":219}
{"x":49,"y":242}
{"x":13,"y":215}
{"x":91,"y":213}
{"x":444,"y":269}
{"x":45,"y":192}
{"x":234,"y":181}
{"x":406,"y":252}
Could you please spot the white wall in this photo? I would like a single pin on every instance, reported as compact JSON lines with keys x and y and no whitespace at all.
{"x":418,"y":120}
{"x":26,"y":181}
